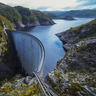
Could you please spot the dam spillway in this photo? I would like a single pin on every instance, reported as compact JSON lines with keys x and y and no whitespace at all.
{"x":29,"y":50}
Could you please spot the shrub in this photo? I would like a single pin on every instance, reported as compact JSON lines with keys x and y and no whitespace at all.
{"x":81,"y":47}
{"x":57,"y":73}
{"x":75,"y":87}
{"x":66,"y":70}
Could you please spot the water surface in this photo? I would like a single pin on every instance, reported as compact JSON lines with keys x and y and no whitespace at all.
{"x":52,"y":44}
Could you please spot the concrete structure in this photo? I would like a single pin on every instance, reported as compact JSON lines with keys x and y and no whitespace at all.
{"x":29,"y":50}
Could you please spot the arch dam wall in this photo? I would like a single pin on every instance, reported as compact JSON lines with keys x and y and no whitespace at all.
{"x":29,"y":50}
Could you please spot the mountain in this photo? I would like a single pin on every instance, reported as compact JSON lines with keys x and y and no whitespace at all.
{"x":80,"y":13}
{"x":54,"y":12}
{"x":52,"y":15}
{"x":75,"y":13}
{"x":21,"y":16}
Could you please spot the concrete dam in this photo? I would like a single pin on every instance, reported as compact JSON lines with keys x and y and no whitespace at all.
{"x":29,"y":50}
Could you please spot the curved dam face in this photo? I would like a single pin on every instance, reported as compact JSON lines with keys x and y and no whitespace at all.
{"x":29,"y":50}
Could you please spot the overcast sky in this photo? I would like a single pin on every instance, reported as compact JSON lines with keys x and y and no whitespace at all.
{"x":51,"y":5}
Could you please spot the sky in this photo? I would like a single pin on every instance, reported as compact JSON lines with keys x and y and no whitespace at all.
{"x":53,"y":5}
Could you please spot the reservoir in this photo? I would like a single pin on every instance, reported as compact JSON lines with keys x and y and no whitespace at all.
{"x":53,"y":46}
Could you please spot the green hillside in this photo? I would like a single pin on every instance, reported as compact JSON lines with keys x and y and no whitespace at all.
{"x":10,"y":13}
{"x":21,"y":14}
{"x":8,"y":25}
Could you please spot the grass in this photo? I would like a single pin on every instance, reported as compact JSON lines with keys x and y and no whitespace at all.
{"x":79,"y":27}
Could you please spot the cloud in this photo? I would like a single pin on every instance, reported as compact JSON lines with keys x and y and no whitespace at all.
{"x":87,"y":2}
{"x":42,"y":8}
{"x":50,"y":5}
{"x":41,"y":4}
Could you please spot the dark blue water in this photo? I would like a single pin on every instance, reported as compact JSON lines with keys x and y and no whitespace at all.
{"x":52,"y":44}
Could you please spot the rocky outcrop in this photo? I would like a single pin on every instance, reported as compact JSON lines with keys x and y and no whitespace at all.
{"x":20,"y":86}
{"x":47,"y":23}
{"x":5,"y":71}
{"x":32,"y":24}
{"x":77,"y":34}
{"x":75,"y":74}
{"x":68,"y":17}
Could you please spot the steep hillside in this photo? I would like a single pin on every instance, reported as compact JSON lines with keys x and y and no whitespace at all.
{"x":75,"y":74}
{"x":10,"y":13}
{"x":6,"y":54}
{"x":22,"y":17}
{"x":7,"y":23}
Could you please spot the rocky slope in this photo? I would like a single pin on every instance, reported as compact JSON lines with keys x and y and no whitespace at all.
{"x":20,"y":86}
{"x":75,"y":74}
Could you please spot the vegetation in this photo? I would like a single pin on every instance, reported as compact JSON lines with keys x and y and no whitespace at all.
{"x":6,"y":54}
{"x":8,"y":24}
{"x":81,"y":47}
{"x":41,"y":16}
{"x":3,"y":38}
{"x":57,"y":73}
{"x":66,"y":70}
{"x":9,"y":88}
{"x":10,"y":13}
{"x":80,"y":13}
{"x":75,"y":87}
{"x":20,"y":14}
{"x":93,"y":22}
{"x":52,"y":15}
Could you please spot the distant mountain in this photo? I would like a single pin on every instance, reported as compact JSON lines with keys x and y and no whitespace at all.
{"x":52,"y":15}
{"x":21,"y":16}
{"x":55,"y":16}
{"x":54,"y":12}
{"x":75,"y":13}
{"x":68,"y":17}
{"x":80,"y":13}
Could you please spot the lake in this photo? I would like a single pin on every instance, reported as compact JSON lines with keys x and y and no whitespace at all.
{"x":53,"y":46}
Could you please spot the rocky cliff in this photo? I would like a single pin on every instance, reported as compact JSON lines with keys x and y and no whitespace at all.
{"x":75,"y":74}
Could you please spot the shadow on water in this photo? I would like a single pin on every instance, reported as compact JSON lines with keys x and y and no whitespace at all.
{"x":25,"y":29}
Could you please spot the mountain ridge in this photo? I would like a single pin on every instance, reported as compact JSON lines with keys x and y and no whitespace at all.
{"x":24,"y":17}
{"x":86,"y":13}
